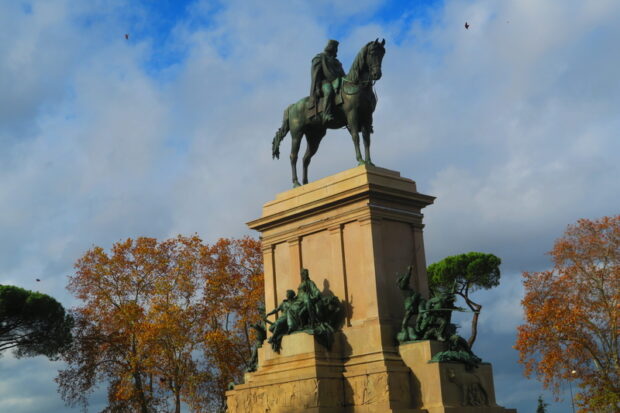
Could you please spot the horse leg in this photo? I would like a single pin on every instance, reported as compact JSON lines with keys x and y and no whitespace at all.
{"x":366,"y":136}
{"x":313,"y":144}
{"x":296,"y":138}
{"x":353,"y":126}
{"x":356,"y":142}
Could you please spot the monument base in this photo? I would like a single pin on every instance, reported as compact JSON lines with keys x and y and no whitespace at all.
{"x":307,"y":378}
{"x":304,"y":377}
{"x":354,"y":232}
{"x":448,"y":387}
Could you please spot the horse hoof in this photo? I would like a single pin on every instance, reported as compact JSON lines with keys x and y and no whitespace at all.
{"x":359,"y":163}
{"x":296,"y":184}
{"x":370,"y":163}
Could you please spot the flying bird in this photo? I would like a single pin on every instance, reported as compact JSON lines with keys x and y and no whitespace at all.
{"x":466,"y":26}
{"x":126,"y":36}
{"x":38,"y":280}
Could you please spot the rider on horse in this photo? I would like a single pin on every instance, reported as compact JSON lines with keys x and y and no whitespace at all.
{"x":325,"y":69}
{"x":358,"y":105}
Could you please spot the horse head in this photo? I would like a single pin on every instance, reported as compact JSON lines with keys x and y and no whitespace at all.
{"x":374,"y":57}
{"x":366,"y":67}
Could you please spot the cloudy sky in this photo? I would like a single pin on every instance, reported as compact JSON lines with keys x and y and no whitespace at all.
{"x":512,"y":124}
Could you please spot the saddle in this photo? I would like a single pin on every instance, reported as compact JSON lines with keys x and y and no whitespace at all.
{"x":350,"y":88}
{"x":315,"y":108}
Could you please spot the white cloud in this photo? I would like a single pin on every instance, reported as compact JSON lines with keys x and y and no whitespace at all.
{"x":512,"y":124}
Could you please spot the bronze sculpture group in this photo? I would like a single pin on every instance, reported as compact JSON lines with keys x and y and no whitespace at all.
{"x":336,"y":100}
{"x":320,"y":315}
{"x":433,"y":322}
{"x":307,"y":311}
{"x":433,"y":315}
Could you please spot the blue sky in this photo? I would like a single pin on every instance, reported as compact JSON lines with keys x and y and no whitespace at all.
{"x":512,"y":124}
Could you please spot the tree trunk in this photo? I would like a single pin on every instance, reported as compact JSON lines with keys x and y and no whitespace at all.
{"x":140,"y":390}
{"x":474,"y":321}
{"x":475,"y":307}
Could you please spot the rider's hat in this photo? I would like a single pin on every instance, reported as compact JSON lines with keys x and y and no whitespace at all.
{"x":332,"y":44}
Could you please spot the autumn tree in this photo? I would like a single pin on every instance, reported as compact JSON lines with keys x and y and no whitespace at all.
{"x":466,"y":273}
{"x":111,"y":342}
{"x":32,"y":323}
{"x":572,"y":315}
{"x":234,"y":287}
{"x":161,"y":322}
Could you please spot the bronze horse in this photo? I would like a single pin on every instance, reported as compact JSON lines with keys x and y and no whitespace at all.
{"x":355,"y":112}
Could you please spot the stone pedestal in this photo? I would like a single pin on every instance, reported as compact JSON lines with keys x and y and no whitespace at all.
{"x":446,"y":387}
{"x":354,"y":231}
{"x":304,"y":377}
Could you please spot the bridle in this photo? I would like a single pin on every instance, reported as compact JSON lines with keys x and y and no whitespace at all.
{"x":371,"y":68}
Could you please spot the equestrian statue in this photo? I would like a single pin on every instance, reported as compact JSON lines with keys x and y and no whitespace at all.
{"x":336,"y":100}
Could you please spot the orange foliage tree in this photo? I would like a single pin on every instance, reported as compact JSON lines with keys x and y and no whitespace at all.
{"x":162,"y":322}
{"x":572,"y":315}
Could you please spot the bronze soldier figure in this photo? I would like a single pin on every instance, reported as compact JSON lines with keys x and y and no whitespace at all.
{"x":325,"y":69}
{"x":309,"y":295}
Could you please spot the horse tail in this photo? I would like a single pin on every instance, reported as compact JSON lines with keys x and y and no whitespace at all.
{"x":280,"y":134}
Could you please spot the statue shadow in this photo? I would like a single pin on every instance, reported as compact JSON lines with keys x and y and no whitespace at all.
{"x":347,"y":383}
{"x":345,"y":348}
{"x":415,"y":388}
{"x":345,"y":306}
{"x":326,"y":290}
